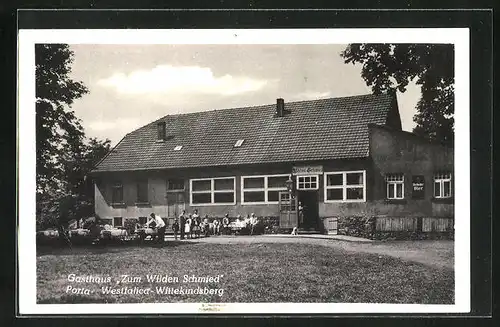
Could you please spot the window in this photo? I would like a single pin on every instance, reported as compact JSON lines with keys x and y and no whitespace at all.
{"x":275,"y":184}
{"x":442,"y":185}
{"x":175,"y":184}
{"x":178,"y":148}
{"x":395,"y":186}
{"x":307,"y":182}
{"x":117,"y":193}
{"x":287,"y":202}
{"x":219,"y":190}
{"x":262,"y":189}
{"x":143,"y":220}
{"x":349,"y":186}
{"x":238,"y":143}
{"x":253,"y":189}
{"x":117,"y":222}
{"x":142,"y":191}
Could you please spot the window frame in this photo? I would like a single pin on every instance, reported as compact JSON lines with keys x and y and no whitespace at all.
{"x":307,"y":175}
{"x":394,"y":185}
{"x":138,"y":182}
{"x":344,"y":186}
{"x":441,"y":182}
{"x":122,"y":224}
{"x":266,"y":188}
{"x":176,"y":190}
{"x":115,"y":185}
{"x":212,"y":191}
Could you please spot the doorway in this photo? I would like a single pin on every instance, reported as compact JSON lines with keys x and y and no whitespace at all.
{"x":175,"y":204}
{"x":309,"y":201}
{"x":287,"y":211}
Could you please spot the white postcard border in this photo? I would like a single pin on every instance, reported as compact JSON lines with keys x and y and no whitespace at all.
{"x":27,"y":158}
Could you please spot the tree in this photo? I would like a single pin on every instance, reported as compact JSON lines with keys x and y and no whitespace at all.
{"x":78,"y":188}
{"x":74,"y":196}
{"x":64,"y":155}
{"x":431,"y":66}
{"x":57,"y":127}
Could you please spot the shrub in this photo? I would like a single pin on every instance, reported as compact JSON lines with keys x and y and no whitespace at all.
{"x":130,"y":224}
{"x":358,"y":226}
{"x":270,"y":222}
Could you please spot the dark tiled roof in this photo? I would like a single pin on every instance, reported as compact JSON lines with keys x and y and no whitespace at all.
{"x":322,"y":129}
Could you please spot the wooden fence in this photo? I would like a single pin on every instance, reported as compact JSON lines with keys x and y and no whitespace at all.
{"x":437,"y":224}
{"x":406,"y":224}
{"x":396,"y":224}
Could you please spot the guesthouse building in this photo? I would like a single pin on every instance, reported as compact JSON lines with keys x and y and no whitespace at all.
{"x":327,"y":165}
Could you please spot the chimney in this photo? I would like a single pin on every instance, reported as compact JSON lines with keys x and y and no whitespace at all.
{"x":280,"y":107}
{"x":162,"y":132}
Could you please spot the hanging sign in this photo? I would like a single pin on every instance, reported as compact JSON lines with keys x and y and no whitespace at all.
{"x":307,"y":170}
{"x":418,"y":187}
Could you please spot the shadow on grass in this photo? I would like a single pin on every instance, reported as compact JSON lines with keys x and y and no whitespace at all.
{"x":107,"y":247}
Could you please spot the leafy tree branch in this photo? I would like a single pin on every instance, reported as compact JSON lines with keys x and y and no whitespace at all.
{"x":431,"y":66}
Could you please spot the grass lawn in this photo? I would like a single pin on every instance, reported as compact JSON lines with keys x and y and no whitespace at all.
{"x":255,"y":272}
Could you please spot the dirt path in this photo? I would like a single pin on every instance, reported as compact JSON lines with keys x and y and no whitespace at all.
{"x":437,"y":254}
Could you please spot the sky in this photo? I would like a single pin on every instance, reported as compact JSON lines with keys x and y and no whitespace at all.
{"x":132,"y":85}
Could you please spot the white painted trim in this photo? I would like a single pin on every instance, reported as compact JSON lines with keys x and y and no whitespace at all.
{"x":344,"y":186}
{"x":212,"y":191}
{"x":271,"y":175}
{"x":393,"y":184}
{"x":364,"y":185}
{"x":259,"y":203}
{"x":307,"y":175}
{"x":212,"y":204}
{"x":266,"y":189}
{"x":441,"y":187}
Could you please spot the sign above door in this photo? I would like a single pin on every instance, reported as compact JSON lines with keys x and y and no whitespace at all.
{"x":307,"y":170}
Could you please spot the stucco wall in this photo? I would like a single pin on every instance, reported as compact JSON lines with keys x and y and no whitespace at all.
{"x":390,"y":152}
{"x":158,"y":192}
{"x":401,"y":152}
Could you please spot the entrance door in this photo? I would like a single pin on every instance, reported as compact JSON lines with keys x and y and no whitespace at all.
{"x":175,"y":204}
{"x":309,"y":202}
{"x":287,"y":210}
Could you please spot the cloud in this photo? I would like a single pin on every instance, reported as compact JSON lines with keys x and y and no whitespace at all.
{"x":311,"y":95}
{"x":180,"y":80}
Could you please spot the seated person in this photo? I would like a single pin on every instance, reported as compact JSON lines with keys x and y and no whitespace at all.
{"x":238,"y":222}
{"x":247,"y":221}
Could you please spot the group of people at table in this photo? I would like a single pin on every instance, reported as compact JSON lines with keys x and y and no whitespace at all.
{"x":193,"y":226}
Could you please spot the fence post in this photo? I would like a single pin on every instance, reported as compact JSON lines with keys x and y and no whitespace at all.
{"x":374,"y":227}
